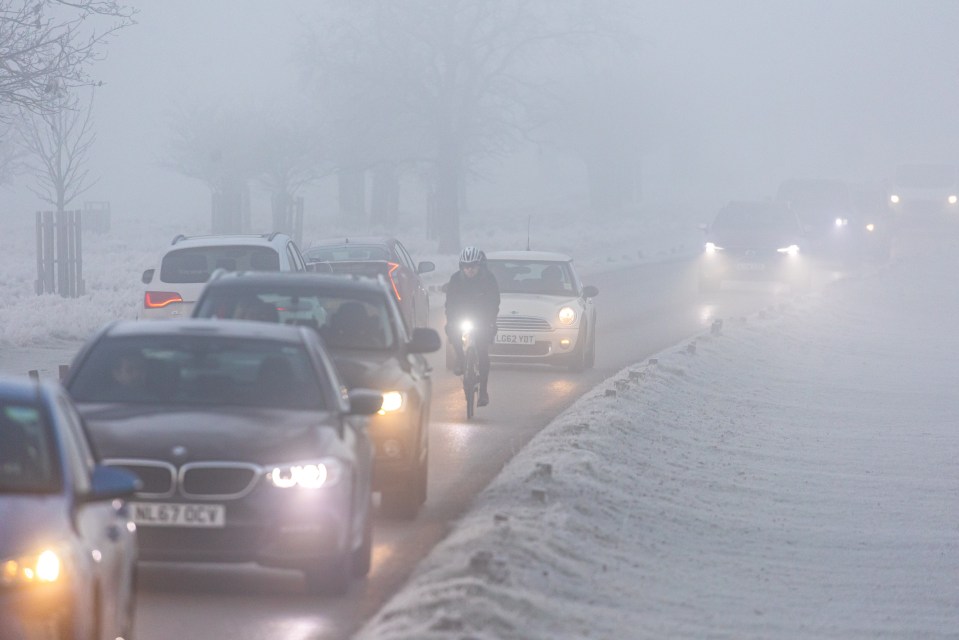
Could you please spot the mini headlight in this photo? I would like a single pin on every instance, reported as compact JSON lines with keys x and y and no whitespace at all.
{"x":318,"y":474}
{"x":567,"y":315}
{"x":44,"y":567}
{"x":792,"y":250}
{"x":392,"y":401}
{"x":894,"y":199}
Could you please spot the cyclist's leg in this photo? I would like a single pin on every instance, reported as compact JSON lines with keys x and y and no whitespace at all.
{"x":482,"y":353}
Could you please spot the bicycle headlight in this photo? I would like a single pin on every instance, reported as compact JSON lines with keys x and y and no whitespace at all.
{"x":392,"y":401}
{"x":466,"y":326}
{"x":44,"y":567}
{"x":318,"y":474}
{"x":567,"y":315}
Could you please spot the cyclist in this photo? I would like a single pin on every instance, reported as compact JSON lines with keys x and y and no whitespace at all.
{"x":472,"y":293}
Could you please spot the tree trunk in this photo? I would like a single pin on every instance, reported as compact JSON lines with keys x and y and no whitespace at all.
{"x":230,"y":212}
{"x":384,"y":199}
{"x":448,"y":178}
{"x":352,"y":196}
{"x":281,"y":205}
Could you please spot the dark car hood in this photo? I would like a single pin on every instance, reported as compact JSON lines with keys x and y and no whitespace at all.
{"x":221,"y":433}
{"x":370,"y":369}
{"x":30,"y":521}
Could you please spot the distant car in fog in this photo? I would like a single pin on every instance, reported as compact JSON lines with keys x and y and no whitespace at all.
{"x":249,"y":447}
{"x":547,"y":315}
{"x":379,"y":255}
{"x":68,"y":547}
{"x":925,"y":191}
{"x":172,"y":287}
{"x":754,"y":241}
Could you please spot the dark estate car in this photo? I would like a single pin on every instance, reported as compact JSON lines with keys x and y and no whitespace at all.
{"x":68,"y":548}
{"x":247,"y":443}
{"x":361,"y":326}
{"x":754,"y":241}
{"x":380,"y":255}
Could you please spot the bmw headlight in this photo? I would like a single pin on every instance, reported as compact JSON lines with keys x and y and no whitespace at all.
{"x":392,"y":401}
{"x":318,"y":474}
{"x":567,"y":315}
{"x":792,"y":250}
{"x":44,"y":567}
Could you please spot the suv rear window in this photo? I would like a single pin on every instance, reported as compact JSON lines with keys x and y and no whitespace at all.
{"x":195,"y":264}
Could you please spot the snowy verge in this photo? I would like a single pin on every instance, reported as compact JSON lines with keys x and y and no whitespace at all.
{"x":794,"y":476}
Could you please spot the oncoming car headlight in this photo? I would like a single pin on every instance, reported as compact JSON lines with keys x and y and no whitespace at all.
{"x":567,"y":315}
{"x":792,"y":250}
{"x":712,"y":248}
{"x":318,"y":474}
{"x":894,"y":199}
{"x":841,"y":222}
{"x":392,"y":401}
{"x":40,"y":568}
{"x":953,"y":199}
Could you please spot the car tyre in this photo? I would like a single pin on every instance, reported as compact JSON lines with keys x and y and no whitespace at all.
{"x":579,"y":359}
{"x":591,"y":356}
{"x":405,"y":503}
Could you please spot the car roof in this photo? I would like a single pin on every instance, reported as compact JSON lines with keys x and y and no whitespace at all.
{"x":282,"y":279}
{"x":358,"y":240}
{"x":245,"y":329}
{"x":538,"y":256}
{"x":226,"y":239}
{"x":23,"y":389}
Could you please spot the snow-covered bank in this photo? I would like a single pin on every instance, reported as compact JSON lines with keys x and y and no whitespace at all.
{"x":794,"y":477}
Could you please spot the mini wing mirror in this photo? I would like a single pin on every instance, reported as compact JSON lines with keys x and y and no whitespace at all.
{"x":424,"y":340}
{"x":425,"y":267}
{"x":147,"y":276}
{"x":589,"y":291}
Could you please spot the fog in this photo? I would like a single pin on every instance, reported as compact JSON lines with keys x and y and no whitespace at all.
{"x":717,"y":100}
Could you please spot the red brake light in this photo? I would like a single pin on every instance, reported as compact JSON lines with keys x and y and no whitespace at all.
{"x":393,"y":267}
{"x":160,"y":299}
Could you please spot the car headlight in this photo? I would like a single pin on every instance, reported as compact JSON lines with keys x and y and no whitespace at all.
{"x":712,"y":248}
{"x":870,"y":227}
{"x":953,"y":199}
{"x":44,"y":567}
{"x":567,"y":315}
{"x":392,"y":401}
{"x":792,"y":250}
{"x":841,"y":222}
{"x":317,"y":474}
{"x":894,"y":199}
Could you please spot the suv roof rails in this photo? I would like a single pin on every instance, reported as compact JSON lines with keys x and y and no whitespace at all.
{"x":178,"y":237}
{"x":271,"y":236}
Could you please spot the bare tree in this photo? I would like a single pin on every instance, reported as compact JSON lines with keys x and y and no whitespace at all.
{"x":58,"y":142}
{"x":453,"y":81}
{"x":46,"y":47}
{"x":12,"y":155}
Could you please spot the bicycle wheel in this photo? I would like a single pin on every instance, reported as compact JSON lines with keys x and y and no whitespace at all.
{"x":470,"y":381}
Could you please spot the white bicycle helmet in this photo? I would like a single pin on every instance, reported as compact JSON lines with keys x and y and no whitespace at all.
{"x":470,"y":255}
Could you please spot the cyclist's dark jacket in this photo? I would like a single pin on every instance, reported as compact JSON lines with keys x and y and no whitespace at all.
{"x":476,"y":298}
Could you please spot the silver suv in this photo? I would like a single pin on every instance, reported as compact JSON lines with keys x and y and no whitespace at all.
{"x":186,"y":265}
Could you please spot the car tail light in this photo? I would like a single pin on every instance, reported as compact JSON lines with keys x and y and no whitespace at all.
{"x":160,"y":299}
{"x":393,"y":267}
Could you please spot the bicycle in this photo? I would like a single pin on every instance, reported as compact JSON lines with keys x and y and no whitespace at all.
{"x":471,"y":375}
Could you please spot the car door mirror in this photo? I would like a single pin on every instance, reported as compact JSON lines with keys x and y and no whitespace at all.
{"x":425,"y":267}
{"x":107,"y":483}
{"x":147,"y":276}
{"x":424,"y":340}
{"x":589,"y":291}
{"x":365,"y":402}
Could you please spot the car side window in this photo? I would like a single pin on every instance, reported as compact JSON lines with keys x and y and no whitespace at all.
{"x":296,"y":261}
{"x":405,"y":257}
